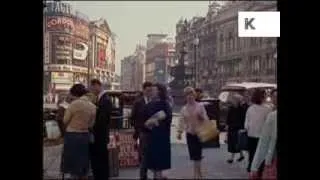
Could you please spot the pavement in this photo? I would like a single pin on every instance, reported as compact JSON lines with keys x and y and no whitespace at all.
{"x":214,"y":162}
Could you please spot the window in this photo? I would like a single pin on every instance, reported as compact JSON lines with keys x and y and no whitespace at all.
{"x":221,"y":44}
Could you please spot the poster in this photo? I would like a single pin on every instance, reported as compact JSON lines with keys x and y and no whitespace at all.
{"x":128,"y":154}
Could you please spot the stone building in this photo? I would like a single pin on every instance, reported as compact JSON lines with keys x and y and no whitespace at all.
{"x":245,"y":58}
{"x":220,"y":55}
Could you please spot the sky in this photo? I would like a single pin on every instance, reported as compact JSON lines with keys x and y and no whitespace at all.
{"x":131,"y":21}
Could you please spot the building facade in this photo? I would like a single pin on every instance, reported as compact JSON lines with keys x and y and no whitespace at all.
{"x":132,"y":70}
{"x":102,"y":64}
{"x":220,"y":56}
{"x":75,"y":49}
{"x":244,"y":58}
{"x":66,"y":45}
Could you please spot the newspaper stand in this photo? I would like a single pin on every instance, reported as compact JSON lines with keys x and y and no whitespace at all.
{"x":122,"y":151}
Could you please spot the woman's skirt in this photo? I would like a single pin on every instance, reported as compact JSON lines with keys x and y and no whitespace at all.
{"x":270,"y":172}
{"x":76,"y":154}
{"x":233,"y":141}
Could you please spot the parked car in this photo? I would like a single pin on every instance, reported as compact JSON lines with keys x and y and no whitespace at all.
{"x":246,"y":89}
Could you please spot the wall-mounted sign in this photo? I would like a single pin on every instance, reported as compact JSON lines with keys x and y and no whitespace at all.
{"x":61,"y":47}
{"x":81,"y":29}
{"x":80,"y":51}
{"x":61,"y":77}
{"x":64,"y":68}
{"x":58,"y":8}
{"x":60,"y":24}
{"x":46,"y":48}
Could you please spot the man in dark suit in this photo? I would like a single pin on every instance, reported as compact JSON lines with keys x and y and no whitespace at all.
{"x":138,"y":124}
{"x":100,"y":131}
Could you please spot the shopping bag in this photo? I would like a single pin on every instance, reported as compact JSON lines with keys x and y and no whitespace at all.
{"x":242,"y":140}
{"x":207,"y":131}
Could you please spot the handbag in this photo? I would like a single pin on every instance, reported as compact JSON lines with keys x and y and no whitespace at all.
{"x":207,"y":131}
{"x":242,"y":139}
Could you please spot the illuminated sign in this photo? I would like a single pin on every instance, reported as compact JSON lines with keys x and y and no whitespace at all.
{"x":81,"y":29}
{"x":46,"y":48}
{"x":58,"y":8}
{"x":60,"y":23}
{"x":61,"y":47}
{"x":80,"y":51}
{"x":61,"y":77}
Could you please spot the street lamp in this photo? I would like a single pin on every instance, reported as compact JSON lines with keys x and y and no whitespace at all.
{"x":195,"y":43}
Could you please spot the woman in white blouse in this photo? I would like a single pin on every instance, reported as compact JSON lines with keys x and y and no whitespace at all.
{"x":267,"y":146}
{"x":192,"y":115}
{"x":255,"y":118}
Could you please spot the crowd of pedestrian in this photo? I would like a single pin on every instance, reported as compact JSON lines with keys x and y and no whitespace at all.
{"x":84,"y":119}
{"x":251,"y":127}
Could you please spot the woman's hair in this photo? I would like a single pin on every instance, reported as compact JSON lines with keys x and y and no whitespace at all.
{"x":189,"y":90}
{"x":78,"y":90}
{"x":258,"y":96}
{"x":163,"y":92}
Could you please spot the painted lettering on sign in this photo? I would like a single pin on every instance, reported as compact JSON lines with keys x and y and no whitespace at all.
{"x":128,"y":154}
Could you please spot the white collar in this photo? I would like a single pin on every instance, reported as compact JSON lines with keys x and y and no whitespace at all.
{"x":101,"y":93}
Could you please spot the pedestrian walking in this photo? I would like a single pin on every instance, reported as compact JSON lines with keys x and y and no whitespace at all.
{"x":78,"y":118}
{"x":255,"y":118}
{"x":158,"y":118}
{"x":267,"y":146}
{"x":192,"y":115}
{"x":235,"y":122}
{"x":100,"y":131}
{"x":138,"y":124}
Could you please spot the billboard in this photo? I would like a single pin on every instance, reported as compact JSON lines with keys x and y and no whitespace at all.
{"x":61,"y":78}
{"x":54,"y":8}
{"x":101,"y":56}
{"x":60,"y":24}
{"x":80,"y":51}
{"x":61,"y":48}
{"x":81,"y":29}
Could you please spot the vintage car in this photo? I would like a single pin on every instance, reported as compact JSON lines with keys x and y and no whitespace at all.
{"x":246,"y":89}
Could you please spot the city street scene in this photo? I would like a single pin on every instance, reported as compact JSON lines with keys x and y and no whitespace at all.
{"x":157,"y":90}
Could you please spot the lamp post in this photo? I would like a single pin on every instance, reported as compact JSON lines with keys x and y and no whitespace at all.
{"x":195,"y":43}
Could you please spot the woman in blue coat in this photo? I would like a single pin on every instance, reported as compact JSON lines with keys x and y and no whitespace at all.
{"x":158,"y":117}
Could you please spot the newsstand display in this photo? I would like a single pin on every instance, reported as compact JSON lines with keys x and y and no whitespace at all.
{"x":122,"y":151}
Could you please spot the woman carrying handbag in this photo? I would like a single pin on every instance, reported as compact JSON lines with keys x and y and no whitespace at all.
{"x":193,"y":117}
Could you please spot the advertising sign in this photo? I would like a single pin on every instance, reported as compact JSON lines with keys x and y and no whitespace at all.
{"x":101,"y":56}
{"x":46,"y":48}
{"x":58,"y":8}
{"x":128,"y":154}
{"x":61,"y":78}
{"x":61,"y":47}
{"x":60,"y":24}
{"x":81,"y":29}
{"x":80,"y":51}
